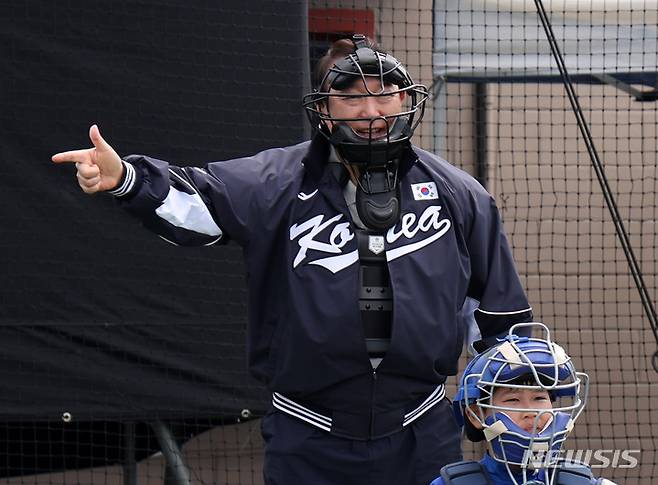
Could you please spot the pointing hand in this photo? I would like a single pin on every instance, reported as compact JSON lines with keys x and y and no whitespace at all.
{"x":99,"y":168}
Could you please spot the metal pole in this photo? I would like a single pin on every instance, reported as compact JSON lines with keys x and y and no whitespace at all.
{"x":177,"y":472}
{"x":129,"y":464}
{"x":481,"y":167}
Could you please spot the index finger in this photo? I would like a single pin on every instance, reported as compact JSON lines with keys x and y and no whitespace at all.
{"x":73,"y":156}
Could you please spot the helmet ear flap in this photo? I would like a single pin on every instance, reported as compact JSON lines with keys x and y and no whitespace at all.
{"x":472,"y":433}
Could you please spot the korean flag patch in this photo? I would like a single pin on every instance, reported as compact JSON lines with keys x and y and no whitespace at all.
{"x":425,"y":191}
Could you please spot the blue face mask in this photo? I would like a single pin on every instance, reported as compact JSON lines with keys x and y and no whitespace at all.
{"x":515,"y":446}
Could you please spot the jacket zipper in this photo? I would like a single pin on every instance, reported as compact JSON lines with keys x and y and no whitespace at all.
{"x":372,"y":404}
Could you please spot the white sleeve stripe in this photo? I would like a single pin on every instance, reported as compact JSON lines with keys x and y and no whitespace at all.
{"x":128,"y":182}
{"x":503,"y":313}
{"x":167,"y":240}
{"x":214,"y":242}
{"x":437,"y":395}
{"x":188,"y":211}
{"x":293,"y":406}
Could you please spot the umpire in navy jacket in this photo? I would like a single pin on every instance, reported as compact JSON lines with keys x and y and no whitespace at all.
{"x":361,"y":250}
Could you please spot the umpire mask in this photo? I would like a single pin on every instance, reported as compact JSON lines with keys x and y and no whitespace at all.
{"x":370,"y":140}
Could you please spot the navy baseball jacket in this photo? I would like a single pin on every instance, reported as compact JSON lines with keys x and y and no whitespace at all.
{"x":305,"y":339}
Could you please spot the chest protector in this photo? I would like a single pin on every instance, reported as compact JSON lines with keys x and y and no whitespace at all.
{"x":375,"y":294}
{"x":474,"y":473}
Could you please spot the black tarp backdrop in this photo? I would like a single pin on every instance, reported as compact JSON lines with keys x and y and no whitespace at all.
{"x":98,"y":317}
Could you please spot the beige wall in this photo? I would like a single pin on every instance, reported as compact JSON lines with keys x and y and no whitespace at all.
{"x":567,"y":250}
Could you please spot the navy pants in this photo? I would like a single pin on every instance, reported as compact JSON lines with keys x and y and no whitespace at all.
{"x":297,"y":453}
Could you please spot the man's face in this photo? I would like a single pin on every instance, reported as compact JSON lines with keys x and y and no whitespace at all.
{"x":371,"y":111}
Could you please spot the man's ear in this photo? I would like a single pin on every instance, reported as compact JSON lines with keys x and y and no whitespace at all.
{"x":323,"y":107}
{"x":471,"y":412}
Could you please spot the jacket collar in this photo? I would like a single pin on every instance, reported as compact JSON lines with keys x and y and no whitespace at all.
{"x":317,"y":156}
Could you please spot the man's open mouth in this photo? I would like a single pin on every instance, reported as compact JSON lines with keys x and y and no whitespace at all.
{"x":374,"y":133}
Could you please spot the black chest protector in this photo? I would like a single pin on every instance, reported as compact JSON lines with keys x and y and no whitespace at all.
{"x":473,"y":473}
{"x":375,"y":294}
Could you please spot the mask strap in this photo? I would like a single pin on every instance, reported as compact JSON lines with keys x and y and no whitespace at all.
{"x":359,"y":41}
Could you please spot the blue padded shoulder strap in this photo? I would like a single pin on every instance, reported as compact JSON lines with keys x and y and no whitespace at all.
{"x":573,"y":473}
{"x":465,"y":473}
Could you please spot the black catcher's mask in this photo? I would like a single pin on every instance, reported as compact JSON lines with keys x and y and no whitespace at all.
{"x":377,"y":159}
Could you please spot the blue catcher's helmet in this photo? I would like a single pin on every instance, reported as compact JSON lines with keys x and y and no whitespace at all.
{"x":535,"y":364}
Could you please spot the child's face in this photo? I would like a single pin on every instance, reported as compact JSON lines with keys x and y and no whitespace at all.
{"x":524,"y":398}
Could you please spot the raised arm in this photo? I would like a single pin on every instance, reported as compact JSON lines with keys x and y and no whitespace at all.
{"x":186,"y":206}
